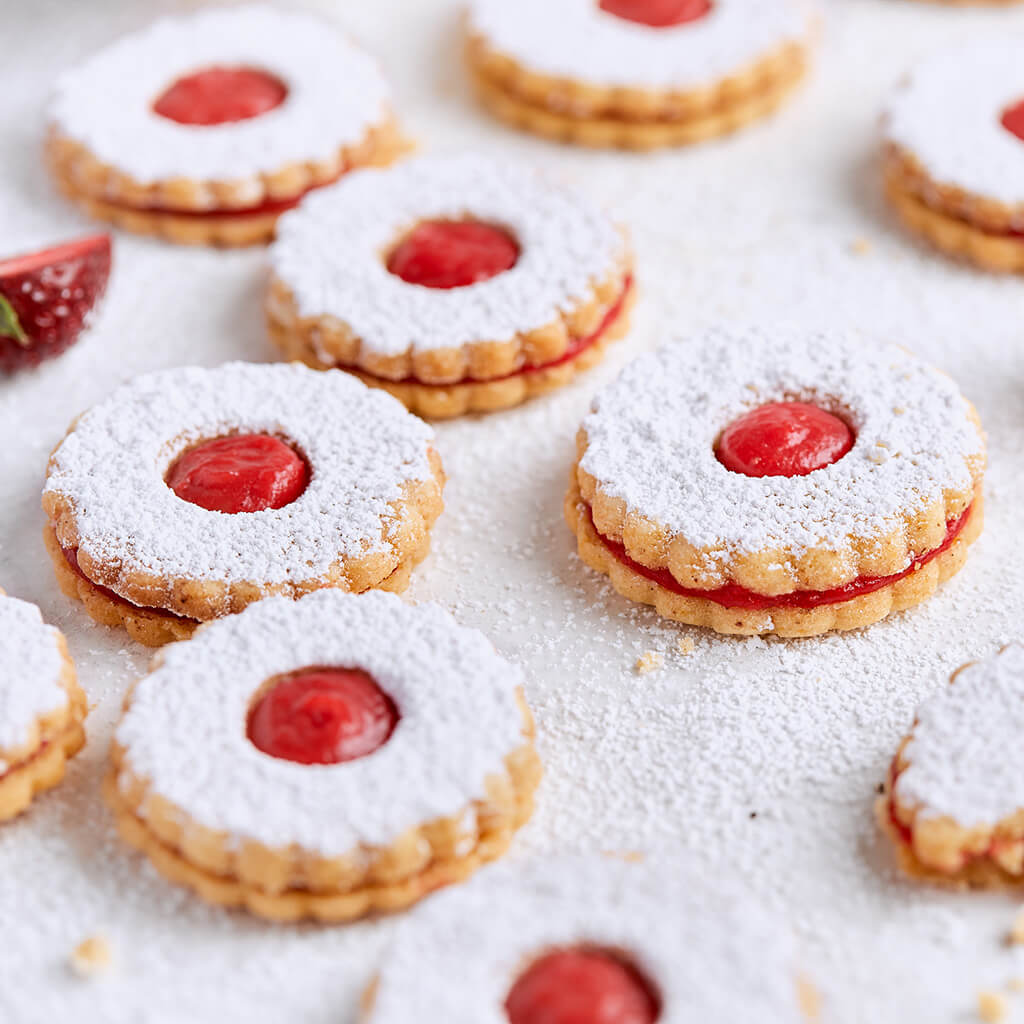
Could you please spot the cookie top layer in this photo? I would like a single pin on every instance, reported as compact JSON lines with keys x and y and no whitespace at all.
{"x":964,"y":758}
{"x":947,"y":115}
{"x":31,"y":665}
{"x":331,"y":253}
{"x":704,"y":946}
{"x":108,"y":475}
{"x":184,"y":732}
{"x":335,"y":93}
{"x":651,"y":435}
{"x":576,"y":39}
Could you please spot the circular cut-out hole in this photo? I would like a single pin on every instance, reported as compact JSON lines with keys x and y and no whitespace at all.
{"x":784,"y":439}
{"x":321,"y":716}
{"x":453,"y":253}
{"x":657,"y":13}
{"x":220,"y":95}
{"x":239,"y":473}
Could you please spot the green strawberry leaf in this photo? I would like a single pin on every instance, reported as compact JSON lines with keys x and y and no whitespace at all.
{"x":10,"y":326}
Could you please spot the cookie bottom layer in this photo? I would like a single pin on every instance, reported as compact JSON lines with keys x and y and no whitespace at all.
{"x":444,"y":401}
{"x":611,"y":132}
{"x":952,"y":235}
{"x":45,"y":768}
{"x":782,"y":621}
{"x":155,"y":627}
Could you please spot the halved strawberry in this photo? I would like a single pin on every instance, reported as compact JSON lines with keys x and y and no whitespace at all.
{"x":45,"y":298}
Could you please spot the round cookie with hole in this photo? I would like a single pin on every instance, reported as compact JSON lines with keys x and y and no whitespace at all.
{"x":462,"y":284}
{"x":190,"y":493}
{"x":636,"y":74}
{"x":778,"y":481}
{"x":204,"y":128}
{"x":305,"y":759}
{"x":954,"y":152}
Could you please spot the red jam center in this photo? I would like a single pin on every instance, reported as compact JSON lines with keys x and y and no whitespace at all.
{"x":1013,"y":120}
{"x":453,"y":254}
{"x":657,"y":13}
{"x":783,"y":439}
{"x":581,"y":987}
{"x":241,"y":473}
{"x":322,"y":716}
{"x":220,"y":95}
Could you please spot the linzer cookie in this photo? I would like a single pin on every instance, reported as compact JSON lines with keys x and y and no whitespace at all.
{"x":593,"y":940}
{"x":636,"y":73}
{"x":42,"y":706}
{"x":325,"y":758}
{"x":954,"y":152}
{"x":204,"y":128}
{"x":190,"y":493}
{"x":763,"y":481}
{"x":463,"y":284}
{"x":954,"y":799}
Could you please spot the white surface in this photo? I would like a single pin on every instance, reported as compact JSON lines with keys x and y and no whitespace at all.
{"x":799,"y":732}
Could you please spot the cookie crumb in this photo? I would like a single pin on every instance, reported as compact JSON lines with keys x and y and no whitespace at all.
{"x":991,"y":1007}
{"x":860,"y":246}
{"x":91,"y":957}
{"x":686,"y":645}
{"x":649,"y":662}
{"x":1016,"y":934}
{"x":1015,"y":985}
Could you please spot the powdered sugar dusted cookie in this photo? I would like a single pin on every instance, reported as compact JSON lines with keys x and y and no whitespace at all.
{"x":636,"y":73}
{"x":465,"y":284}
{"x":954,"y":800}
{"x":204,"y":128}
{"x":591,"y":939}
{"x":778,"y":481}
{"x":325,"y":757}
{"x":190,"y":493}
{"x":41,"y":706}
{"x":954,"y":153}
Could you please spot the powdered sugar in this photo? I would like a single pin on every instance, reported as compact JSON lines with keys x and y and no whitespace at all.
{"x":947,"y":113}
{"x":185,"y":729}
{"x":30,"y":670}
{"x":329,"y":252}
{"x":576,"y":39}
{"x":965,"y":757}
{"x":335,"y":92}
{"x":361,"y":444}
{"x":652,"y":432}
{"x":708,"y":952}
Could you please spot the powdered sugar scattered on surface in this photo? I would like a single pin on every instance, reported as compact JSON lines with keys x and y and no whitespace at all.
{"x":707,"y":950}
{"x":335,"y":93}
{"x":361,"y":445}
{"x":799,"y":733}
{"x":577,"y":39}
{"x":330,"y":252}
{"x":651,"y":438}
{"x":965,"y":758}
{"x":947,"y":113}
{"x":185,"y":729}
{"x":30,"y":670}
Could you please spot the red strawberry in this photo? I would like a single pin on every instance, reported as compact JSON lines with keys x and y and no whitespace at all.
{"x":45,"y":298}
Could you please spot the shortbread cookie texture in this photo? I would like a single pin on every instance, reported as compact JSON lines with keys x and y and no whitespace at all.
{"x":464,"y":284}
{"x":591,"y":939}
{"x":954,"y":152}
{"x":204,"y":128}
{"x":190,"y":493}
{"x":636,"y":74}
{"x":42,"y":706}
{"x":325,"y":758}
{"x":762,"y":481}
{"x":954,"y":798}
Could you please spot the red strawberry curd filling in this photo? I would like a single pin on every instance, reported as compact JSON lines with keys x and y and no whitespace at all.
{"x":453,"y":254}
{"x":657,"y":13}
{"x":581,"y":986}
{"x":1013,"y":120}
{"x":217,"y":95}
{"x":322,"y":716}
{"x":575,"y":347}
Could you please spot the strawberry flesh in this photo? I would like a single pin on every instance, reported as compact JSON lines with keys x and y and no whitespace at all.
{"x":45,"y":298}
